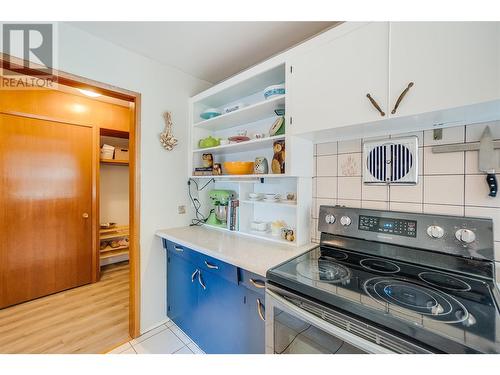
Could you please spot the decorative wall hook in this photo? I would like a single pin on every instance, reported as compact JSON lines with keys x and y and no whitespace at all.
{"x":167,"y":139}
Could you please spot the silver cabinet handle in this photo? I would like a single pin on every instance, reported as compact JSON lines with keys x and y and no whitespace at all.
{"x":179,"y":249}
{"x":201,"y":281}
{"x":193,"y":276}
{"x":258,"y":283}
{"x":211,"y":266}
{"x":260,"y":307}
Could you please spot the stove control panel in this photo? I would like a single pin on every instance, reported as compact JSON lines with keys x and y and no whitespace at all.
{"x":399,"y":227}
{"x":464,"y":236}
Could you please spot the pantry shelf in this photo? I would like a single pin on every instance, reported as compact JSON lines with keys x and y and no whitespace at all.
{"x":114,"y":162}
{"x":245,"y":115}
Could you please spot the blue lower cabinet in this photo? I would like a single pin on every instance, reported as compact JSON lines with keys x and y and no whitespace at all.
{"x":182,"y":293}
{"x":254,"y":329}
{"x":221,"y":312}
{"x":214,"y":306}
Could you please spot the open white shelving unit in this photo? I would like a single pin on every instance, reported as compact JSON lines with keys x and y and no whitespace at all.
{"x":254,"y":118}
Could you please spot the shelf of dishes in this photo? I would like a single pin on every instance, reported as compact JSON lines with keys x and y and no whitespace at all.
{"x":249,"y":145}
{"x":253,"y":177}
{"x":273,"y":106}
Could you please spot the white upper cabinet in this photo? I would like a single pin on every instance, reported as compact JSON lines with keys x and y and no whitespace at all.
{"x":329,"y":84}
{"x":451,"y":64}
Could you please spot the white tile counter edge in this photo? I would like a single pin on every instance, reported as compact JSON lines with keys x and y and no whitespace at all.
{"x":253,"y":255}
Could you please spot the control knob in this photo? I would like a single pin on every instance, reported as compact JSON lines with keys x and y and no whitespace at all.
{"x":465,"y":235}
{"x":330,"y":219}
{"x":345,"y":221}
{"x":435,"y":231}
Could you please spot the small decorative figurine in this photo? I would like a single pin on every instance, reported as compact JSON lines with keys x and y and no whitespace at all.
{"x":207,"y":160}
{"x":167,"y":139}
{"x":278,"y":163}
{"x":261,"y":166}
{"x":217,"y":169}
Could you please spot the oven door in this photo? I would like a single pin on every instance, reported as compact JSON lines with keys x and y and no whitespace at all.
{"x":296,"y":325}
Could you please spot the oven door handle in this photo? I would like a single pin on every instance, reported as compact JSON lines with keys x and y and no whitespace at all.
{"x":312,"y":319}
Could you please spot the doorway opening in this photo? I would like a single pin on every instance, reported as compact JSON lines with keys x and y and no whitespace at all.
{"x":55,"y":138}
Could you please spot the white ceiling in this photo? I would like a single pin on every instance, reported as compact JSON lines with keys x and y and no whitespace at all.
{"x":212,"y":51}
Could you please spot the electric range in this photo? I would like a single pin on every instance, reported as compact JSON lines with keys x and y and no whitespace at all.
{"x":383,"y":281}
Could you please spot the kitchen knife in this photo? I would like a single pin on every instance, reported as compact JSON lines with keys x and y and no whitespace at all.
{"x":487,"y":162}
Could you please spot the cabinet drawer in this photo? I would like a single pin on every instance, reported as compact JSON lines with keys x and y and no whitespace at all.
{"x":204,"y":262}
{"x":217,"y":267}
{"x":252,"y":281}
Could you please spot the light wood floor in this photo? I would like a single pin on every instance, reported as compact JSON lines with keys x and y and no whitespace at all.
{"x":89,"y":319}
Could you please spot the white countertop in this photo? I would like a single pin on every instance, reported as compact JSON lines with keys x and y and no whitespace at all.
{"x":251,"y":254}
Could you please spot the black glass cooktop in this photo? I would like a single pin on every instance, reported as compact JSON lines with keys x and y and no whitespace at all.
{"x":447,"y":311}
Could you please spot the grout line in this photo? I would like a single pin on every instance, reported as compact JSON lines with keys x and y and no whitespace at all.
{"x":157,"y":333}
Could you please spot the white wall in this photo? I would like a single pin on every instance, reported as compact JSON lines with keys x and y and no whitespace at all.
{"x":163,"y":174}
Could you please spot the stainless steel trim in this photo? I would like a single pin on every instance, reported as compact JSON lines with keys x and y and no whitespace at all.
{"x":211,"y":266}
{"x":201,"y":281}
{"x":259,"y":309}
{"x":354,"y":332}
{"x":193,"y":276}
{"x":258,"y":283}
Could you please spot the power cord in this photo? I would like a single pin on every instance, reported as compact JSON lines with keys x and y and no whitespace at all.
{"x":199,"y":219}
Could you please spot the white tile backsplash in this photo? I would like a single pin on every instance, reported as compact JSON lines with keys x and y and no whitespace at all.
{"x":349,"y":188}
{"x":405,"y":207}
{"x":349,"y":165}
{"x":443,"y":209}
{"x":472,"y":161}
{"x":477,"y":190}
{"x":326,"y":148}
{"x":375,"y":192}
{"x":375,"y":205}
{"x":346,"y":147}
{"x":450,"y":135}
{"x":449,"y":184}
{"x":407,"y":193}
{"x":473,"y":132}
{"x":444,"y":190}
{"x":449,"y":163}
{"x":326,"y":187}
{"x":326,"y":165}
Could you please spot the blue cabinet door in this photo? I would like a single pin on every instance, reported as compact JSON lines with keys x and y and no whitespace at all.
{"x":182,"y":293}
{"x":254,"y":328}
{"x":220,"y":315}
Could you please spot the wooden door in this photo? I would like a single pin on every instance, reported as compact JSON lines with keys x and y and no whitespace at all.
{"x":452,"y":64}
{"x":329,"y":84}
{"x":45,"y":207}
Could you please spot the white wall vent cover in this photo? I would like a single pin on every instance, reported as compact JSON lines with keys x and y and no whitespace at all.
{"x":392,"y":161}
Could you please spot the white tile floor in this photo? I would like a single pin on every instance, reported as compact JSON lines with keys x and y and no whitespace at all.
{"x":164,"y":339}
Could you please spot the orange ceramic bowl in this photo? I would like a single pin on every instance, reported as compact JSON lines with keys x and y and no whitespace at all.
{"x":239,"y":167}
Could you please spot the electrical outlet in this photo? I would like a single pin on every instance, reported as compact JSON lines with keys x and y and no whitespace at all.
{"x":181,"y":209}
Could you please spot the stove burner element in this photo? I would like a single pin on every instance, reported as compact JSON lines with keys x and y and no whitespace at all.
{"x":323,"y":270}
{"x":444,"y":281}
{"x":333,"y":254}
{"x":379,"y":265}
{"x":418,"y":298}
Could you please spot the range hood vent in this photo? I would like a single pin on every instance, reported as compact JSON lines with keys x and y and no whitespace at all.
{"x":393,"y":161}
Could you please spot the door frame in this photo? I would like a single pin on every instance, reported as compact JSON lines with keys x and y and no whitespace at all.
{"x":133,"y":97}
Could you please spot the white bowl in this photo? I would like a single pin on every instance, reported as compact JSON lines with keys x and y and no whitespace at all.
{"x":260,"y":226}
